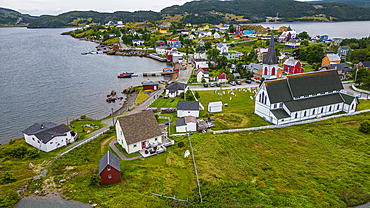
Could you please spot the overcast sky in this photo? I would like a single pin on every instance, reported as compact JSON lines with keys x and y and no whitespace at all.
{"x":54,"y":7}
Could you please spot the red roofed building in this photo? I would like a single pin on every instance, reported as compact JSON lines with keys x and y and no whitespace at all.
{"x":292,"y":66}
{"x":222,"y":77}
{"x":109,"y":169}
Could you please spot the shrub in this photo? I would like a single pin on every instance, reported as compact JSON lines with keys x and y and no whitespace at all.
{"x":21,"y":152}
{"x":111,"y":127}
{"x":7,"y":177}
{"x":95,"y":180}
{"x":197,"y":95}
{"x":9,"y":199}
{"x":181,"y":144}
{"x":11,"y":141}
{"x":365,"y":126}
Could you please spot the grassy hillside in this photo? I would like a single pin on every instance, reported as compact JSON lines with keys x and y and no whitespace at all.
{"x":10,"y":17}
{"x":359,"y":3}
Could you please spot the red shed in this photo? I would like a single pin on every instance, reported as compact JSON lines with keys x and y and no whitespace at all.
{"x":109,"y":169}
{"x":150,"y":86}
{"x":115,"y":46}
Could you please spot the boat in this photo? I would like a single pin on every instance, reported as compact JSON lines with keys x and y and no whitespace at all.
{"x":125,"y":75}
{"x":83,"y":53}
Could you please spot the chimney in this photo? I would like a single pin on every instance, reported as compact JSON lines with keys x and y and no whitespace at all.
{"x":42,"y":126}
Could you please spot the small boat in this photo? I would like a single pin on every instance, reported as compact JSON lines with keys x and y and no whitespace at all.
{"x":125,"y":75}
{"x":83,"y":53}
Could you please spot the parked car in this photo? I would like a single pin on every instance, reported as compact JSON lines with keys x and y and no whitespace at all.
{"x":205,"y":85}
{"x":248,"y":81}
{"x":218,"y":84}
{"x":239,"y":82}
{"x":212,"y":85}
{"x":257,"y":81}
{"x":233,"y":83}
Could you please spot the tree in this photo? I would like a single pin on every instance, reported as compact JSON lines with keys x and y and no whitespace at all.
{"x":213,"y":54}
{"x":7,"y":177}
{"x":208,"y":45}
{"x":365,"y":126}
{"x":95,"y":180}
{"x":189,"y":96}
{"x":303,"y":35}
{"x":203,"y":80}
{"x":232,"y":28}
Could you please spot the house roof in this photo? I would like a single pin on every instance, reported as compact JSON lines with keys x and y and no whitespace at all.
{"x":278,"y":91}
{"x":236,"y":74}
{"x":200,"y":70}
{"x":339,"y":67}
{"x":177,"y":86}
{"x":188,"y":105}
{"x":333,"y":57}
{"x":313,"y":83}
{"x":280,"y":113}
{"x":190,"y":119}
{"x":46,"y":131}
{"x":290,"y":62}
{"x":313,"y":102}
{"x":140,"y":126}
{"x":346,"y":48}
{"x":366,"y":63}
{"x":150,"y":83}
{"x":222,"y":76}
{"x":271,"y":58}
{"x":180,"y":122}
{"x":213,"y":104}
{"x":109,"y":159}
{"x":348,"y":98}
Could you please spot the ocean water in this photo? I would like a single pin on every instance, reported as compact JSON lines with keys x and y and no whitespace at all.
{"x":44,"y":77}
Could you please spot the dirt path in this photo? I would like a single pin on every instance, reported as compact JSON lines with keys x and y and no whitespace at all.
{"x":119,"y":153}
{"x":103,"y":143}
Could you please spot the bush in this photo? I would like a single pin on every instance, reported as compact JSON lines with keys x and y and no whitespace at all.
{"x":365,"y":126}
{"x":95,"y":180}
{"x":7,"y":177}
{"x":197,"y":95}
{"x":21,"y":152}
{"x":111,"y":127}
{"x":9,"y":199}
{"x":11,"y":141}
{"x":181,"y":144}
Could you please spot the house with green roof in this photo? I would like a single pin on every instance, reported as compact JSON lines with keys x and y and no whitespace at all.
{"x":303,"y":96}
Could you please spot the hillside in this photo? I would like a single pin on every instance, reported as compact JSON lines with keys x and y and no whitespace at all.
{"x":197,"y":12}
{"x":257,"y":10}
{"x":359,"y":3}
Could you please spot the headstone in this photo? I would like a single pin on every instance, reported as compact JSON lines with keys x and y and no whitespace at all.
{"x":187,"y":153}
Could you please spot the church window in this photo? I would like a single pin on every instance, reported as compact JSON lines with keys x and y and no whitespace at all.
{"x":266,"y":70}
{"x":353,"y":105}
{"x":296,"y":115}
{"x":259,"y":98}
{"x":322,"y":110}
{"x":338,"y":107}
{"x":305,"y":113}
{"x":275,"y":105}
{"x":265,"y":99}
{"x":329,"y":108}
{"x":273,"y":71}
{"x":313,"y":112}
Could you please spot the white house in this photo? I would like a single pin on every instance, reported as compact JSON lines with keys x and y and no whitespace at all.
{"x":187,"y":108}
{"x":48,"y":136}
{"x":303,"y":96}
{"x":200,"y":55}
{"x":202,"y":74}
{"x":162,"y":50}
{"x":175,"y":89}
{"x":202,"y":34}
{"x":214,"y":107}
{"x":138,"y":41}
{"x":216,"y":35}
{"x":188,"y":123}
{"x":138,"y":131}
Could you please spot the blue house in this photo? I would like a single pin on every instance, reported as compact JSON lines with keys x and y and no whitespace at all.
{"x":174,"y":43}
{"x":342,"y":51}
{"x":324,"y":38}
{"x":248,"y":32}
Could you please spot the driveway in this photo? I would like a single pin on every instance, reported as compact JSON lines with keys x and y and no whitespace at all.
{"x":120,"y":154}
{"x":348,"y":90}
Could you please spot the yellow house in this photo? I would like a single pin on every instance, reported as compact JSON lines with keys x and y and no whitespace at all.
{"x":163,"y":30}
{"x":206,"y":27}
{"x":188,"y":25}
{"x":282,"y":29}
{"x":330,"y":59}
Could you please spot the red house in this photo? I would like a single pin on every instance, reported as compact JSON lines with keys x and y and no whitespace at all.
{"x":237,"y":35}
{"x":150,"y":86}
{"x":115,"y":46}
{"x":292,"y":66}
{"x":109,"y":169}
{"x":238,"y":28}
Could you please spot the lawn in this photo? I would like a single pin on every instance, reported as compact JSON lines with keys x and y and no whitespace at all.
{"x":163,"y":102}
{"x":120,"y":148}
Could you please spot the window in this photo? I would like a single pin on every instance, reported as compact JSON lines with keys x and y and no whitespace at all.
{"x":121,"y":133}
{"x":108,"y":168}
{"x":281,"y":105}
{"x":134,"y":145}
{"x":305,"y":113}
{"x":329,"y":108}
{"x":155,"y":139}
{"x":296,"y":115}
{"x":273,"y":71}
{"x":265,"y":99}
{"x":259,"y":98}
{"x":275,"y":105}
{"x":51,"y":142}
{"x":109,"y":176}
{"x":322,"y":110}
{"x":338,"y":107}
{"x":352,"y":106}
{"x":188,"y":111}
{"x":62,"y":140}
{"x":33,"y":139}
{"x":313,"y":112}
{"x":38,"y":141}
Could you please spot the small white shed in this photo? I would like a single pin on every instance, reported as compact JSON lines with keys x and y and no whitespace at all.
{"x":214,"y":107}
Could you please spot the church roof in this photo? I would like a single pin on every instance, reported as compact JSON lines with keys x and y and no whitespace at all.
{"x":271,"y":57}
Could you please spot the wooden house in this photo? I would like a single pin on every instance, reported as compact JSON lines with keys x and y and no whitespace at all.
{"x":109,"y":169}
{"x":187,"y":108}
{"x":150,"y":86}
{"x":292,"y":66}
{"x":330,"y":59}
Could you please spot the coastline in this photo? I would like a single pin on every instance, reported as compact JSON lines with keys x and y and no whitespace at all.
{"x":127,"y":104}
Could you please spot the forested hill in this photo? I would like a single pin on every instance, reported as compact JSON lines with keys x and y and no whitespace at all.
{"x":359,"y":3}
{"x":206,"y":11}
{"x":256,"y":11}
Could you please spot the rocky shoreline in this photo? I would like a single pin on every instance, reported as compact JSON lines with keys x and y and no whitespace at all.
{"x":128,"y":103}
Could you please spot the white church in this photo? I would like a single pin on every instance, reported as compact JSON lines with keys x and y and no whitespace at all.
{"x":303,"y":96}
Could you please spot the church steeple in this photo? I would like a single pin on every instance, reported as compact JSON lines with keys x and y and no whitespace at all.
{"x":271,"y":57}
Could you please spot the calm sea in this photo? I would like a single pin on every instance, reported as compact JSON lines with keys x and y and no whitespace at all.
{"x":44,"y":77}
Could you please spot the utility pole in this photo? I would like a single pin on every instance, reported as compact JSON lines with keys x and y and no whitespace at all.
{"x":112,"y":117}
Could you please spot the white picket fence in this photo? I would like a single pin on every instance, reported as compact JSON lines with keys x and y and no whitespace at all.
{"x":359,"y":90}
{"x":289,"y":124}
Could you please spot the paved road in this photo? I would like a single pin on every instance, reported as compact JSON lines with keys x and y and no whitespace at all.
{"x":120,"y":154}
{"x":123,"y":46}
{"x":348,"y":90}
{"x":50,"y":203}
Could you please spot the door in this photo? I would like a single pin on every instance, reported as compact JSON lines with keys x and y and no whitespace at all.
{"x":143,"y":145}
